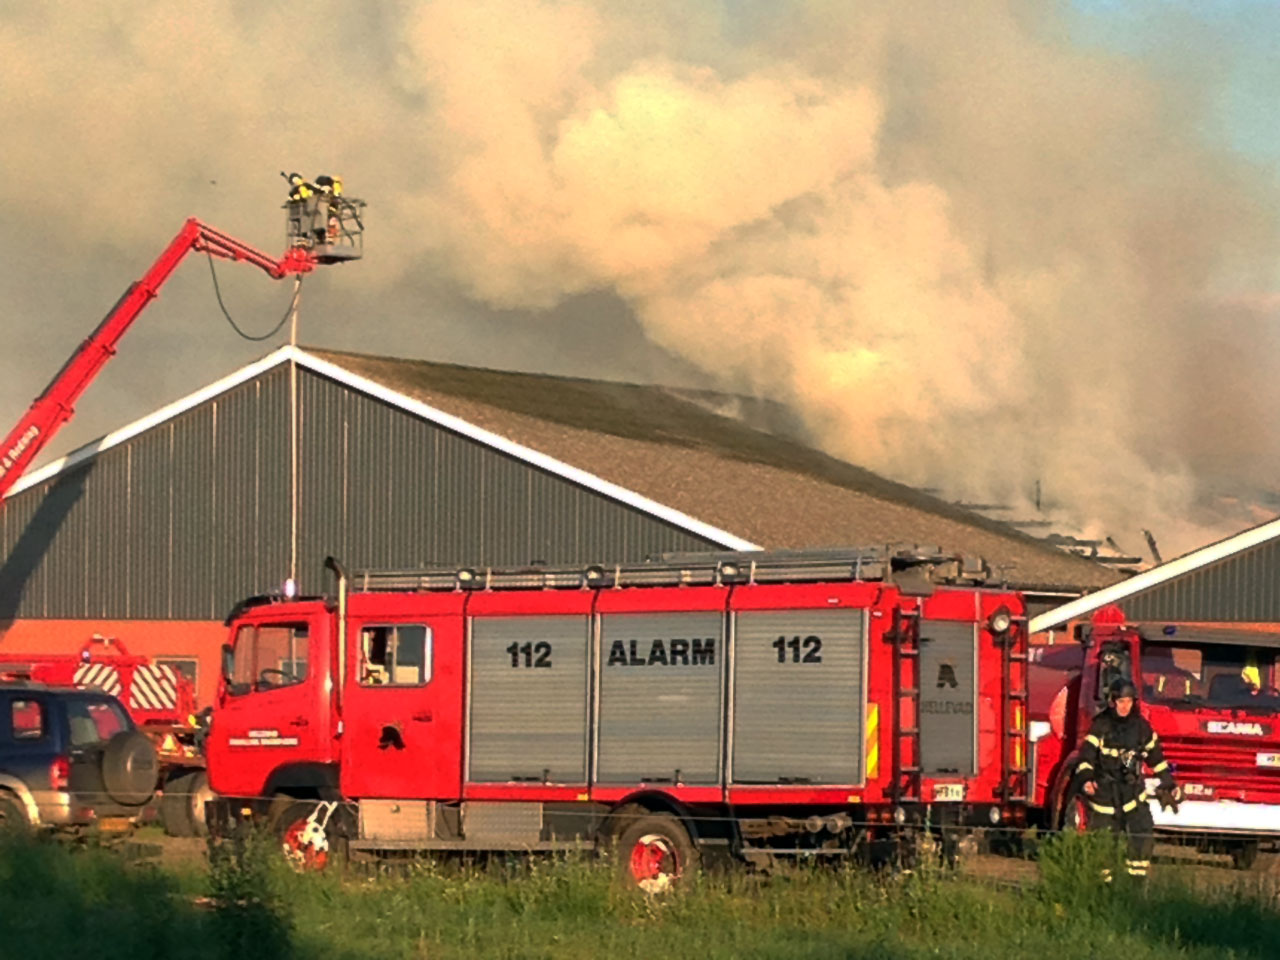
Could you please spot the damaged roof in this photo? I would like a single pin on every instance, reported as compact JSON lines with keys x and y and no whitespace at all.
{"x":673,"y":448}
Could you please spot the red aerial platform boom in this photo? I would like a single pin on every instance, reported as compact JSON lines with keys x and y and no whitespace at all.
{"x":56,"y":404}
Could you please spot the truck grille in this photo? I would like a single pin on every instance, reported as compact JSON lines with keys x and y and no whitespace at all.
{"x":1222,"y":763}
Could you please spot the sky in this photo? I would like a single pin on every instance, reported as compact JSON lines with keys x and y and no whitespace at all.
{"x":977,"y":247}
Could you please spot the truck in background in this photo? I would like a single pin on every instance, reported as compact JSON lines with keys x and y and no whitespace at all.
{"x":1213,"y":696}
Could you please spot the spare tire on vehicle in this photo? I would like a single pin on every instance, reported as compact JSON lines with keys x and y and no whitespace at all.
{"x":130,"y":768}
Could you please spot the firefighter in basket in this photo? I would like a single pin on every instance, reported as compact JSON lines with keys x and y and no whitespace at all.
{"x":1110,"y":776}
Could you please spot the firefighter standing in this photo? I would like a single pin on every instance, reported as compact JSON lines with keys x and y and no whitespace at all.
{"x":1119,"y":743}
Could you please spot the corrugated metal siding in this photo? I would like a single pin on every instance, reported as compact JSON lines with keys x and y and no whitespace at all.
{"x":381,"y":488}
{"x":185,"y":519}
{"x":948,"y":697}
{"x":1244,"y":588}
{"x":179,"y":522}
{"x":795,"y":717}
{"x":528,"y":714}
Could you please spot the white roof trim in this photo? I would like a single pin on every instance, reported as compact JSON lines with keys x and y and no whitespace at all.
{"x":1157,"y":575}
{"x":90,"y":450}
{"x":521,"y":452}
{"x":408,"y":404}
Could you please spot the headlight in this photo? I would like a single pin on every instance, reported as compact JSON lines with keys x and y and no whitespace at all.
{"x":1000,"y":621}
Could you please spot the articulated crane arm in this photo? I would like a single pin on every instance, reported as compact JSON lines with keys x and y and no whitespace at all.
{"x":55,"y":406}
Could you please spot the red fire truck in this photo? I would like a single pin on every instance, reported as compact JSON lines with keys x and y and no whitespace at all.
{"x":161,"y":702}
{"x":762,"y":705}
{"x":1211,"y":694}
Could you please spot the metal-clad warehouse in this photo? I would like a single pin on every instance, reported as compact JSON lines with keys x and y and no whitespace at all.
{"x":152,"y":533}
{"x":1233,"y":581}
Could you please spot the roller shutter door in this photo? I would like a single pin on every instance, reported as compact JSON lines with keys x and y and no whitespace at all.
{"x":529,"y":699}
{"x":798,"y":696}
{"x":948,"y":694}
{"x":660,"y":697}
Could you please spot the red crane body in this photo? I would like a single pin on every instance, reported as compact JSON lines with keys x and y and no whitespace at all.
{"x":56,"y":404}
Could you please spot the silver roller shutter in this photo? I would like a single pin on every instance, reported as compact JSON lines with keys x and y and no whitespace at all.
{"x":798,"y":697}
{"x":948,"y":695}
{"x":528,"y":707}
{"x":660,"y":697}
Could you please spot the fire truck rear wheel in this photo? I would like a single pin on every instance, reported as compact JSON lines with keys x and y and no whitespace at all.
{"x":654,"y":852}
{"x":175,"y":811}
{"x":183,"y":802}
{"x":303,"y":853}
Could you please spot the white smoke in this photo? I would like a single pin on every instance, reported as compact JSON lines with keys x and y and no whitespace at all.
{"x":971,"y":253}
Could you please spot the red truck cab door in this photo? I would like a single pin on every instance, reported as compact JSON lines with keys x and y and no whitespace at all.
{"x":402,"y":699}
{"x":274,"y":710}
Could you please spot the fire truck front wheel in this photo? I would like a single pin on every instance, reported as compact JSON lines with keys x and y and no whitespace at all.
{"x":311,"y":834}
{"x":654,"y":851}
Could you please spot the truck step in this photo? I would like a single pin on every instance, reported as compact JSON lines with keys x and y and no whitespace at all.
{"x":478,"y":843}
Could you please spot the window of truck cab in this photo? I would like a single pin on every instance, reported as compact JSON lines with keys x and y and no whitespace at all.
{"x":1216,"y":675}
{"x":395,"y":654}
{"x":268,"y":656}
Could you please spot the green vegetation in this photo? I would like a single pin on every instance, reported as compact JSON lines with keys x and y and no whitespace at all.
{"x":92,"y":903}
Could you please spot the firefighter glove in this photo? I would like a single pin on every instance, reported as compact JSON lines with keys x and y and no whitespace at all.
{"x":1169,"y":797}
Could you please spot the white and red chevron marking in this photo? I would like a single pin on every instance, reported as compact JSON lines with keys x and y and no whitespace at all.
{"x":154,"y":687}
{"x":101,"y":675}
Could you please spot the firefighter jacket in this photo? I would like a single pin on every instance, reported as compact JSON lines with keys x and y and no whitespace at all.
{"x":1113,"y":755}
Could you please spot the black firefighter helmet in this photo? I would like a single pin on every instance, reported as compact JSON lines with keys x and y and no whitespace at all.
{"x":1121,"y":687}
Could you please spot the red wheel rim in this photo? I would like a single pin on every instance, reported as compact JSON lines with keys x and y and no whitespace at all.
{"x":654,"y":863}
{"x":303,"y":855}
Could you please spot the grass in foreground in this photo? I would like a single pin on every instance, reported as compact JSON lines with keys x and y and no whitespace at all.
{"x":89,"y":904}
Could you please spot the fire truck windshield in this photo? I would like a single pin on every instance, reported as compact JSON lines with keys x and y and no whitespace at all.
{"x":1227,"y":676}
{"x":266,"y":657}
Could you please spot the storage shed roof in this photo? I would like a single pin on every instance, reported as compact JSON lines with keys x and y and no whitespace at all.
{"x":667,"y":452}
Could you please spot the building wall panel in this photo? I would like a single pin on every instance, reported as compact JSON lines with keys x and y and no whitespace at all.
{"x":178,"y":522}
{"x":383,"y":489}
{"x":187,"y":518}
{"x":1244,"y":588}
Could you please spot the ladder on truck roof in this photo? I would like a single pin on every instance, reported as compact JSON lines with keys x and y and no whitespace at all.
{"x":913,"y":569}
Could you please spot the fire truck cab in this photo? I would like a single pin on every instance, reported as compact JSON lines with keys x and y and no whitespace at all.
{"x":763,"y":706}
{"x":1211,"y":694}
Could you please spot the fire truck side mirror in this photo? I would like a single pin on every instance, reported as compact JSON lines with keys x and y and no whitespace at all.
{"x":228,"y":662}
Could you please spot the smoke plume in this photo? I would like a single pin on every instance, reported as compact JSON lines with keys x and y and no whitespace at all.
{"x":972,"y":251}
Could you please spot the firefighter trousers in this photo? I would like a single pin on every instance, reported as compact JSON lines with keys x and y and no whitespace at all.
{"x":1132,"y":818}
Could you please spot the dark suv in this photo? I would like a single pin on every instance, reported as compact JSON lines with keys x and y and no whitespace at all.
{"x":70,"y":758}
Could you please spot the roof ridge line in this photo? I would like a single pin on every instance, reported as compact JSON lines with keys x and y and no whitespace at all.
{"x":1195,"y":560}
{"x":510,"y":447}
{"x":170,"y":410}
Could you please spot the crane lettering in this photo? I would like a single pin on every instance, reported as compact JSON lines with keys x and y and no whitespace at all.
{"x":13,"y":453}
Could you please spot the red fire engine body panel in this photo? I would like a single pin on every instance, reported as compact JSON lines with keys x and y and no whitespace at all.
{"x":747,"y":695}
